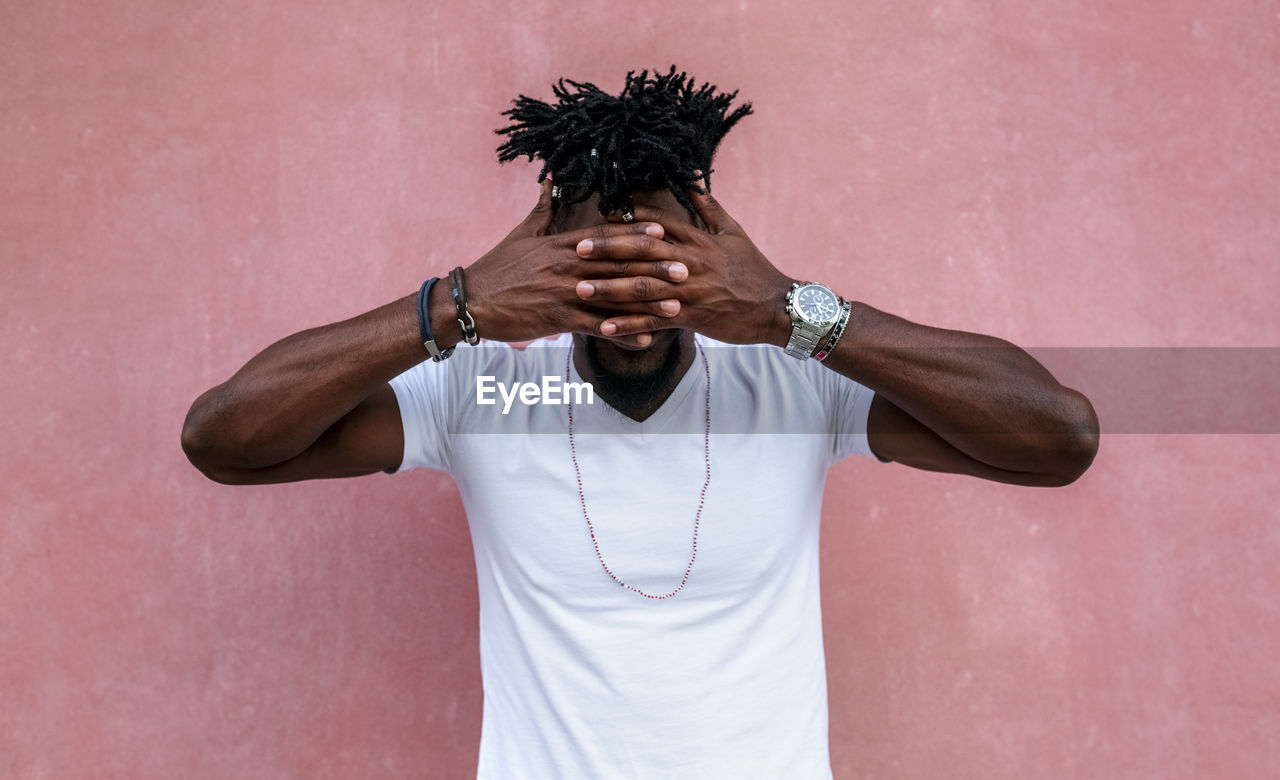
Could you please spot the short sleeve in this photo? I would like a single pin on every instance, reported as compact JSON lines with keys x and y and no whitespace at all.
{"x":422,"y":393}
{"x":848,"y":406}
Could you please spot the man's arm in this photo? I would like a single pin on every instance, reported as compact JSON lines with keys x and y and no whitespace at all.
{"x":962,"y":402}
{"x":317,"y":404}
{"x":313,"y":405}
{"x":945,"y":400}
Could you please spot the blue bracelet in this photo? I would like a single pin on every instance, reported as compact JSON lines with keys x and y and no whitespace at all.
{"x":424,"y":322}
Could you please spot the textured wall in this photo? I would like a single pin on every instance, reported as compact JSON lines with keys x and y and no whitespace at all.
{"x":183,"y":183}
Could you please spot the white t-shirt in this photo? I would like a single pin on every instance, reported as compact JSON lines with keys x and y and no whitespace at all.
{"x":585,"y":679}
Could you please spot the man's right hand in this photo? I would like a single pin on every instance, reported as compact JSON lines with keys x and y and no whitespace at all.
{"x":525,"y":287}
{"x":317,"y":404}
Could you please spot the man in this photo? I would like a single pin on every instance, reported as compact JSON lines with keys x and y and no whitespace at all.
{"x":647,"y":563}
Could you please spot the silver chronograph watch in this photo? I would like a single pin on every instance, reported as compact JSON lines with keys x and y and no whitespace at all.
{"x":814,"y":311}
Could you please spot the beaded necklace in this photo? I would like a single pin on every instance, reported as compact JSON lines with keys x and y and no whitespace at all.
{"x":697,"y":518}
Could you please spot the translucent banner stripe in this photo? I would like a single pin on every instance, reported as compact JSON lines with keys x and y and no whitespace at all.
{"x":1135,"y":390}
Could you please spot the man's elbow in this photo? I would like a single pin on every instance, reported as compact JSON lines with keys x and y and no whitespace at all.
{"x":1077,"y":448}
{"x":205,"y":448}
{"x":197,"y":446}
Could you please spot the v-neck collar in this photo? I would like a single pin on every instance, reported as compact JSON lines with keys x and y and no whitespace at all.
{"x":694,"y":376}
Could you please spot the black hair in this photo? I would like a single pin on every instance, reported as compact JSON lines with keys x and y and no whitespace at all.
{"x":654,"y":135}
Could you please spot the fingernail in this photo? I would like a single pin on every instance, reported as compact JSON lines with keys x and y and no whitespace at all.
{"x":644,"y":339}
{"x":586,"y":289}
{"x":584,"y":246}
{"x":608,"y":328}
{"x":654,"y":230}
{"x":678,"y":272}
{"x":670,"y":307}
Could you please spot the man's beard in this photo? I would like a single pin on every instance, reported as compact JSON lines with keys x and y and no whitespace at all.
{"x":631,"y":389}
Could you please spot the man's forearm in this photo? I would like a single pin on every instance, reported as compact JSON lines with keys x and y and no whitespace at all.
{"x":986,"y":397}
{"x":288,"y":395}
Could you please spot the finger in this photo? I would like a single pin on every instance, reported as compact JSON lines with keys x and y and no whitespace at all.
{"x":539,"y":220}
{"x":595,"y":325}
{"x":669,"y":307}
{"x":633,"y":288}
{"x":625,"y":247}
{"x":675,"y":223}
{"x":640,"y":340}
{"x":634,"y":324}
{"x":670,"y":270}
{"x":713,"y":214}
{"x":610,"y":230}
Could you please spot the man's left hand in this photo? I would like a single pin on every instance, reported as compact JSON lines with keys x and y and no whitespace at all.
{"x":733,"y":293}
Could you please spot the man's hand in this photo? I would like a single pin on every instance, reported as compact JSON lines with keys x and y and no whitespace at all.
{"x":523,"y":289}
{"x":733,"y":293}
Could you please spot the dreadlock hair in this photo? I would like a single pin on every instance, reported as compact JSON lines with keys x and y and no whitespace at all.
{"x":654,"y":135}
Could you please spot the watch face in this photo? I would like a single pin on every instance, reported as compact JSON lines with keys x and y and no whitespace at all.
{"x":816,"y":304}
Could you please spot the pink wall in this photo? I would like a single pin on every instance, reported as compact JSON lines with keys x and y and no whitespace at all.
{"x":182,"y":185}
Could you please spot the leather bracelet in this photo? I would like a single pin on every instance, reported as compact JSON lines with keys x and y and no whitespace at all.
{"x":465,"y":320}
{"x":424,"y":322}
{"x":836,"y":332}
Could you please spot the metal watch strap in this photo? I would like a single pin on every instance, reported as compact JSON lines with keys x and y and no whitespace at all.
{"x":804,"y":340}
